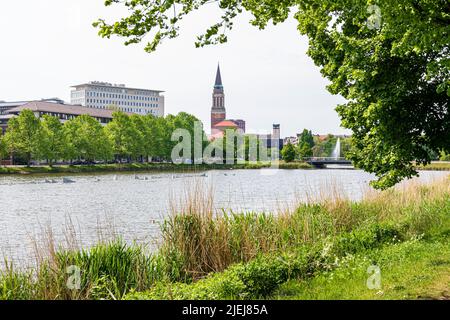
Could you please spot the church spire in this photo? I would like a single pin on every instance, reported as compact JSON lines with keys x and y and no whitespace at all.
{"x":218,"y":84}
{"x":218,"y":112}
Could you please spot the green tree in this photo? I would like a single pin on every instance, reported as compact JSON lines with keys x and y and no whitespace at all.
{"x":187,"y":122}
{"x":305,"y":150}
{"x":346,"y":147}
{"x":254,"y":156}
{"x":163,"y":141}
{"x":23,"y":135}
{"x":289,"y":153}
{"x":3,"y":148}
{"x":151,"y":136}
{"x":126,"y":139}
{"x":87,"y":139}
{"x":232,"y":137}
{"x":306,"y":144}
{"x":142,"y":136}
{"x":391,"y":62}
{"x":52,"y":143}
{"x":306,"y":137}
{"x":444,"y":156}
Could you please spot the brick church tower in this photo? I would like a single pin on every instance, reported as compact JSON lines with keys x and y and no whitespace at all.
{"x":218,"y":112}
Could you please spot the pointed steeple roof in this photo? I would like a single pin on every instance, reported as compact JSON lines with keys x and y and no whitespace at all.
{"x":218,"y":83}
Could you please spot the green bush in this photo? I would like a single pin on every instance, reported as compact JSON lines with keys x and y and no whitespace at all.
{"x":366,"y":238}
{"x":263,"y":275}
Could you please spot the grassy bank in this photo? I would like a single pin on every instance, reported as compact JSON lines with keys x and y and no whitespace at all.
{"x":417,"y":269}
{"x":292,"y":254}
{"x":436,"y":166}
{"x":140,"y":167}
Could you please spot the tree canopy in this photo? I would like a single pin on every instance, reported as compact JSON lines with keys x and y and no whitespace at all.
{"x":305,"y":144}
{"x":87,"y":139}
{"x":23,"y":136}
{"x":127,"y":140}
{"x":3,"y":148}
{"x":389,"y":59}
{"x":289,"y":153}
{"x":52,"y":142}
{"x":131,"y":137}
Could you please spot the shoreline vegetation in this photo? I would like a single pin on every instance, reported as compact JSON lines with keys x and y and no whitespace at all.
{"x":142,"y":167}
{"x":321,"y":250}
{"x":170,"y":167}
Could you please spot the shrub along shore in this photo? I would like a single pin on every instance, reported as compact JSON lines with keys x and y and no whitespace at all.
{"x":140,"y":167}
{"x":319,"y":250}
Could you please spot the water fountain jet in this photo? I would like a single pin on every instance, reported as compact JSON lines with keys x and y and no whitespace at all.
{"x":337,"y":150}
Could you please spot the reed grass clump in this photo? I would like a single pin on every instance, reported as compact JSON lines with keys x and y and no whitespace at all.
{"x":106,"y":271}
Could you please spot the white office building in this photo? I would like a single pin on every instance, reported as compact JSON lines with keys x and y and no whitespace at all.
{"x":101,"y":95}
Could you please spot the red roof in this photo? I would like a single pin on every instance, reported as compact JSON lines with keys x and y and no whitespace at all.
{"x":226,"y":124}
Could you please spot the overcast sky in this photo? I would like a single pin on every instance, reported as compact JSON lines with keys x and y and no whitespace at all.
{"x":48,"y":45}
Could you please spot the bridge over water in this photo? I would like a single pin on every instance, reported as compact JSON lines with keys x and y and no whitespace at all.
{"x":322,"y":162}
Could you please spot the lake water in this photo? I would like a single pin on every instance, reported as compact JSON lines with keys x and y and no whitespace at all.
{"x":133,"y":206}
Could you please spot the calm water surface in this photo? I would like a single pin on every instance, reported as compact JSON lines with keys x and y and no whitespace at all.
{"x":132,"y":206}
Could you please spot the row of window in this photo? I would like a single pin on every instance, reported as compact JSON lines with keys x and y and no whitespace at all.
{"x":77,"y":94}
{"x":122,"y":90}
{"x":123,"y":103}
{"x":140,"y":111}
{"x":119,"y":96}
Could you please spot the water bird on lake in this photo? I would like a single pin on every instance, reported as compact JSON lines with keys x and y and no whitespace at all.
{"x":67,"y":180}
{"x":136,"y":177}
